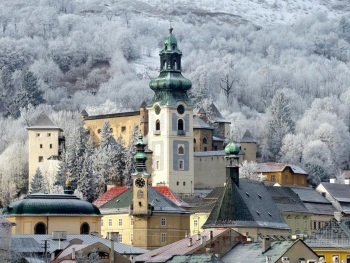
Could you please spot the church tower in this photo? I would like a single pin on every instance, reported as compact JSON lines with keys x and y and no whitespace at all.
{"x":170,"y":119}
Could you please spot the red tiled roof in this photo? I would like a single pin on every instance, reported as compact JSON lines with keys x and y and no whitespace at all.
{"x":110,"y":194}
{"x":168,"y":193}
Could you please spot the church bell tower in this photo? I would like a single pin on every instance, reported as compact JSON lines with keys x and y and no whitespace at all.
{"x":170,"y":119}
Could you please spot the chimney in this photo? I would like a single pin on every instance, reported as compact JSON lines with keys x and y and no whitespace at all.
{"x":187,"y":234}
{"x":198,"y":237}
{"x":204,"y":238}
{"x":190,"y":242}
{"x":211,"y":234}
{"x":73,"y":253}
{"x":112,"y":252}
{"x":338,"y":215}
{"x":266,"y":244}
{"x":332,"y":180}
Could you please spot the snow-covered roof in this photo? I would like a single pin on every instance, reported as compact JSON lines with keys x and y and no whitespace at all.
{"x":278,"y":167}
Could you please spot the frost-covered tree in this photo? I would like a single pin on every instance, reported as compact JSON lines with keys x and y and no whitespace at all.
{"x":278,"y":124}
{"x":248,"y":170}
{"x":37,"y":185}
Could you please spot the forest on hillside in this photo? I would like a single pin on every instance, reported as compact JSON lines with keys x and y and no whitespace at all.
{"x":287,"y":83}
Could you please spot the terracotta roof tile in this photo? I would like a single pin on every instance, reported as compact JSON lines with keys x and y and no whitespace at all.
{"x":110,"y":194}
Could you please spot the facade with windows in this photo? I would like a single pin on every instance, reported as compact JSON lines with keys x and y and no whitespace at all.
{"x":45,"y":213}
{"x":46,"y":143}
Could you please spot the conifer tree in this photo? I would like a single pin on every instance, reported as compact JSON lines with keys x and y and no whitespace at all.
{"x":37,"y":185}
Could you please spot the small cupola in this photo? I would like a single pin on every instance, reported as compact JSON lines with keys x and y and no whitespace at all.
{"x":140,"y":158}
{"x":232,"y":166}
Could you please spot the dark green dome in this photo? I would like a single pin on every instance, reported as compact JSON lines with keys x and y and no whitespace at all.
{"x":232,"y":148}
{"x":51,"y":205}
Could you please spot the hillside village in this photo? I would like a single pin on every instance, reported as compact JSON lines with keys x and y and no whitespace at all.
{"x":186,"y":199}
{"x":224,"y":139}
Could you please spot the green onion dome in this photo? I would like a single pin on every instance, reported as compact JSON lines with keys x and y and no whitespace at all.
{"x":232,"y":148}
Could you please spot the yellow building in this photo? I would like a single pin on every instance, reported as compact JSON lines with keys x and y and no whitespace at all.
{"x":332,"y":242}
{"x":282,"y":174}
{"x":141,"y":215}
{"x":46,"y":213}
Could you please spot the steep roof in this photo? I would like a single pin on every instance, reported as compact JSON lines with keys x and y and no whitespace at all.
{"x":168,"y":193}
{"x":334,"y":234}
{"x":286,"y":200}
{"x":32,"y":243}
{"x":198,"y":123}
{"x":246,"y":205}
{"x":180,"y":247}
{"x":252,"y":252}
{"x":201,"y":258}
{"x":278,"y":167}
{"x":43,"y":122}
{"x":247,"y":137}
{"x":217,"y":114}
{"x":159,"y":202}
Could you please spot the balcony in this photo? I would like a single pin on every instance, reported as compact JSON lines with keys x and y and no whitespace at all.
{"x":156,"y":132}
{"x":181,"y":132}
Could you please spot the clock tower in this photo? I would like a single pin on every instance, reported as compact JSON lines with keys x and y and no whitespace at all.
{"x":170,"y":116}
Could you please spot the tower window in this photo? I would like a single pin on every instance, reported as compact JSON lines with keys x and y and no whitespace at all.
{"x":177,"y":183}
{"x":49,"y":135}
{"x":180,"y":125}
{"x":157,"y":165}
{"x":50,"y":145}
{"x":184,"y":183}
{"x":175,"y":64}
{"x":41,"y":146}
{"x":41,"y":159}
{"x":111,"y":129}
{"x":194,"y":140}
{"x":164,"y":64}
{"x":99,"y":131}
{"x":38,"y":135}
{"x":181,"y":164}
{"x":157,"y":125}
{"x":205,"y":149}
{"x":205,"y":140}
{"x":123,"y":129}
{"x":181,"y":150}
{"x":162,"y":237}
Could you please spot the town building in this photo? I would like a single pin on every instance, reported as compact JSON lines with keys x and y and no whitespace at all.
{"x":280,"y":251}
{"x":303,"y":208}
{"x":337,"y":194}
{"x":282,"y":174}
{"x":49,"y":247}
{"x":46,"y":143}
{"x":140,"y":215}
{"x":45,"y":213}
{"x":217,"y":242}
{"x":245,"y":205}
{"x":332,"y":242}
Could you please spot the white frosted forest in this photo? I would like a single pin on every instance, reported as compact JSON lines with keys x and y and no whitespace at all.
{"x":278,"y":68}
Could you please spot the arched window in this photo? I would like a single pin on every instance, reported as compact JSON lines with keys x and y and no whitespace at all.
{"x":164,"y":64}
{"x":157,"y":125}
{"x":180,"y":125}
{"x":181,"y":150}
{"x":194,"y":140}
{"x":175,"y":64}
{"x":205,"y":140}
{"x":40,"y":229}
{"x":84,"y":229}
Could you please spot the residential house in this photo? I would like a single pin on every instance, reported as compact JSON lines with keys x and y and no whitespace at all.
{"x":280,"y":251}
{"x":218,"y":242}
{"x":332,"y":242}
{"x":337,"y":194}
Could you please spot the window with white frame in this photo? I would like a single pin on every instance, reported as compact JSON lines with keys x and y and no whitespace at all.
{"x":110,"y":222}
{"x":163,"y":237}
{"x":120,"y":222}
{"x":163,"y":221}
{"x":120,"y":238}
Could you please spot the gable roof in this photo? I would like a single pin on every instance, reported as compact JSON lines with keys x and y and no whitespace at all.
{"x":246,"y":205}
{"x":159,"y":203}
{"x":180,"y":247}
{"x":333,"y":235}
{"x":278,"y":167}
{"x":198,"y":123}
{"x":44,"y":122}
{"x":168,"y":193}
{"x":247,"y":137}
{"x":252,"y":252}
{"x":201,"y":258}
{"x":32,"y":243}
{"x":216,"y":114}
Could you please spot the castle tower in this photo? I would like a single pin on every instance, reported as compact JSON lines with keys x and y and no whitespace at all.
{"x":248,"y":145}
{"x":45,"y":146}
{"x":170,"y":119}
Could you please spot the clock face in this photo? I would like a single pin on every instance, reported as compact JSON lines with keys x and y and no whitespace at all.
{"x":157,"y":109}
{"x":140,"y":182}
{"x":180,"y":109}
